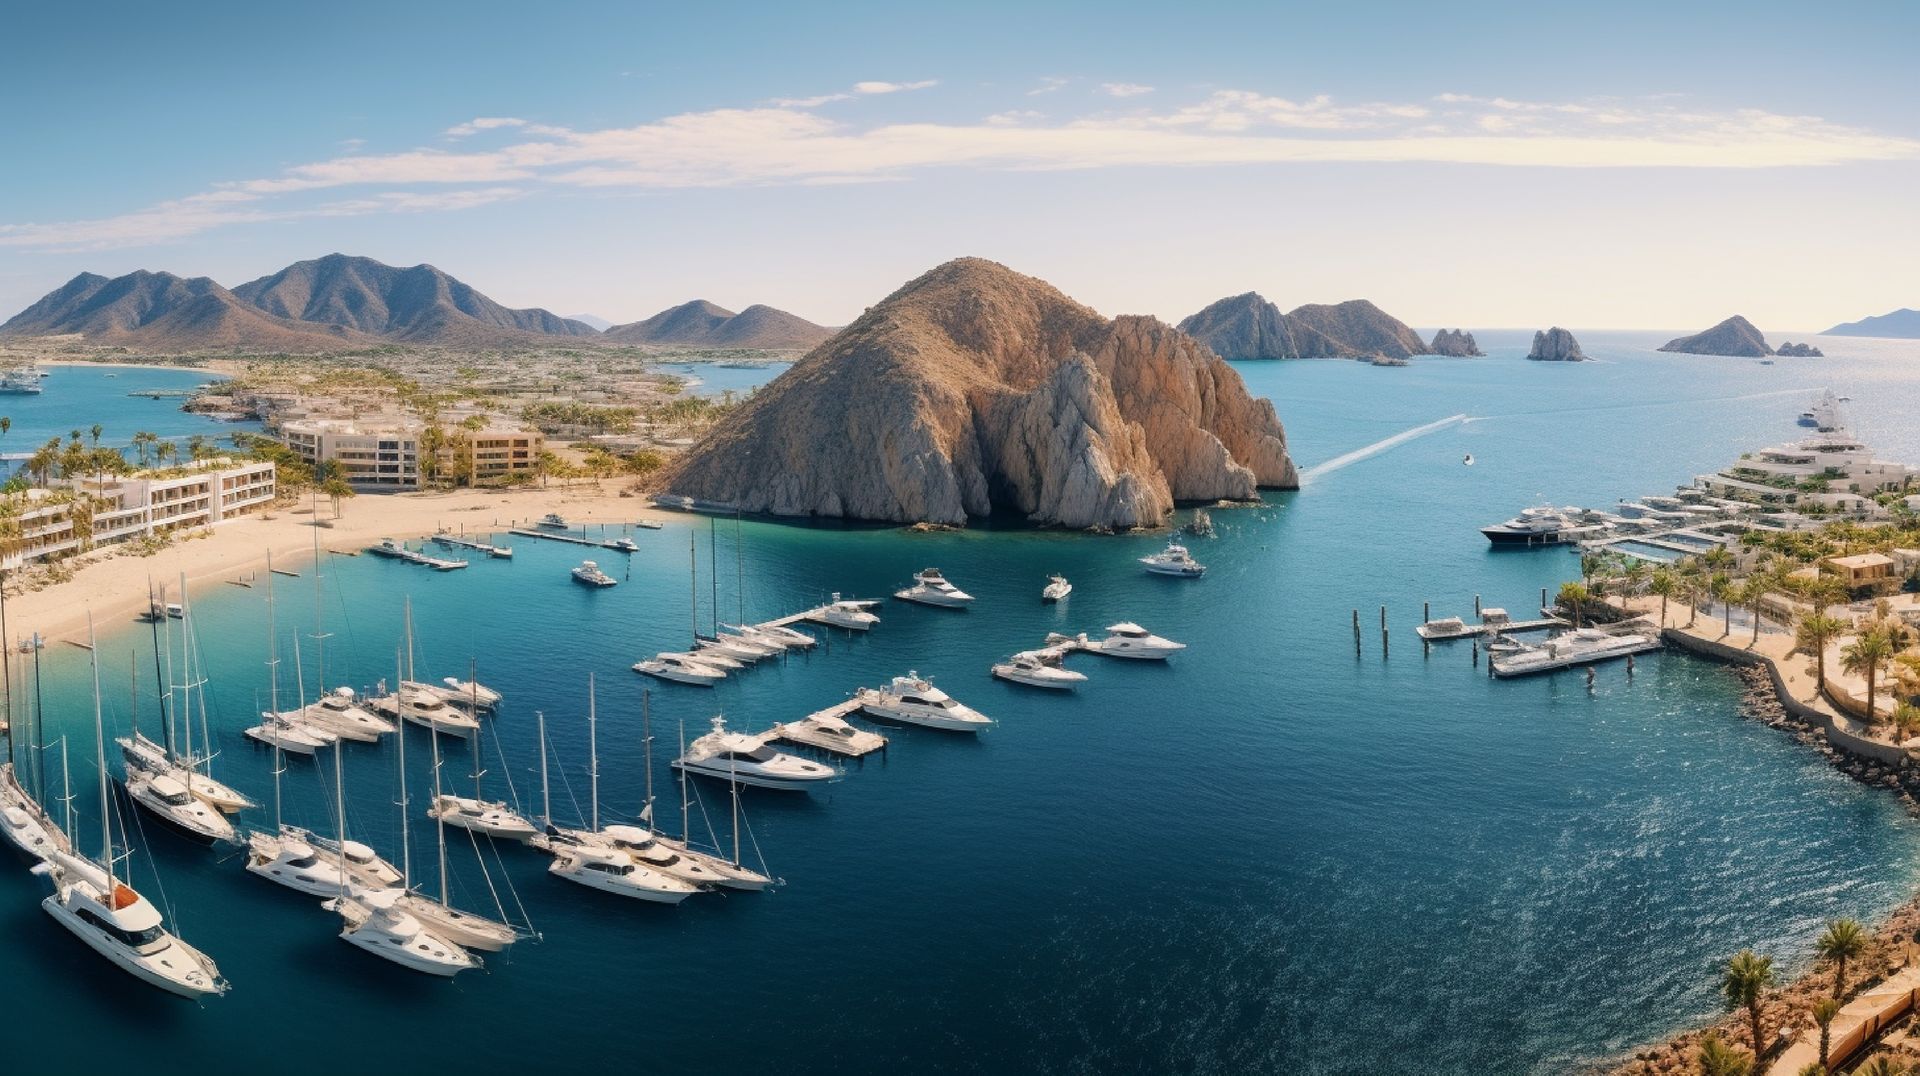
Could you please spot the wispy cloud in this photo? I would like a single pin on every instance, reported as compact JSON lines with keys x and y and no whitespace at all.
{"x":789,"y":143}
{"x":858,"y":89}
{"x":1048,"y":84}
{"x":1124,"y":89}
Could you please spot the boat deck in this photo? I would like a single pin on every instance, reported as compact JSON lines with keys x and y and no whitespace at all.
{"x":809,"y":734}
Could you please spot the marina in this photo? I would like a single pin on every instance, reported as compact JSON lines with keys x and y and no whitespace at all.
{"x":393,"y":550}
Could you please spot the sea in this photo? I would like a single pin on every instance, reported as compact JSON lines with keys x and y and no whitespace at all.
{"x":1277,"y":852}
{"x":78,"y":397}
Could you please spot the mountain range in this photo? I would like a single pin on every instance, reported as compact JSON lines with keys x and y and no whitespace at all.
{"x":1902,"y":324}
{"x":702,"y":324}
{"x":1249,"y":327}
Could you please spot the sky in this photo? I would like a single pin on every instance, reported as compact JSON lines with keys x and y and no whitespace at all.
{"x":1627,"y":165}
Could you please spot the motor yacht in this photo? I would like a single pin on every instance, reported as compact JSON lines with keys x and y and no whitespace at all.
{"x":1175,"y":561}
{"x":492,"y":818}
{"x":622,"y":544}
{"x":1547,"y":525}
{"x":747,"y":760}
{"x":376,"y":921}
{"x":168,"y":800}
{"x":292,"y":862}
{"x":141,"y":753}
{"x":931,"y":588}
{"x":830,"y":733}
{"x":718,"y":655}
{"x":681,"y":669}
{"x":361,"y":862}
{"x":1038,"y":670}
{"x":1129,"y":640}
{"x":848,"y":613}
{"x":783,"y":637}
{"x":613,"y":871}
{"x":123,"y":926}
{"x":639,"y":844}
{"x":1583,"y":646}
{"x":424,"y":705}
{"x":291,"y":736}
{"x":913,"y":700}
{"x":554,"y":521}
{"x":474,"y":693}
{"x":1056,"y":589}
{"x":589,"y":573}
{"x":464,"y":929}
{"x":24,"y":822}
{"x":340,"y":713}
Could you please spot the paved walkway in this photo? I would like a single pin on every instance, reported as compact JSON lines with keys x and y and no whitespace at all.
{"x":1856,"y":1025}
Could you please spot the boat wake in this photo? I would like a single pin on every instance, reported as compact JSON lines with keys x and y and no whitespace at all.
{"x":1321,"y":470}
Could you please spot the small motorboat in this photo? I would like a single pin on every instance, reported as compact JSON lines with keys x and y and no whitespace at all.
{"x":622,"y":544}
{"x":931,"y":588}
{"x":1175,"y":561}
{"x":848,"y":613}
{"x":554,"y":521}
{"x":291,"y":736}
{"x":780,"y":634}
{"x":681,"y":669}
{"x":589,"y":573}
{"x":491,"y":818}
{"x":913,"y":700}
{"x":1056,"y":589}
{"x":1038,"y":670}
{"x":170,"y":802}
{"x":747,"y":760}
{"x":1129,"y":640}
{"x":611,"y":870}
{"x":473,"y":693}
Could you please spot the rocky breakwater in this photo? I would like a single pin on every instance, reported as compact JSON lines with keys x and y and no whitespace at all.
{"x":1455,"y":343}
{"x":1556,"y":345}
{"x":974,"y":389}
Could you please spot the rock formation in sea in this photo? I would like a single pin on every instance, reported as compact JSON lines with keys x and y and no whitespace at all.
{"x":974,"y":389}
{"x":1799,"y":351}
{"x":1456,"y":343}
{"x":1734,"y":336}
{"x":1249,"y":327}
{"x":1556,"y":345}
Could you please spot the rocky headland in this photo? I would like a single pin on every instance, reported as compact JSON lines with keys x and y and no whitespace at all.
{"x":1556,"y":345}
{"x":1249,"y":327}
{"x":1735,"y":336}
{"x":973,"y":390}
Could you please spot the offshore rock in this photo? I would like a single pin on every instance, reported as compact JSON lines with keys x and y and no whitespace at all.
{"x":1454,"y":343}
{"x":1556,"y":345}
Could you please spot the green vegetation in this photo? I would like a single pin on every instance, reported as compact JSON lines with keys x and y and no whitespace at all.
{"x":1744,"y":986}
{"x":555,"y":417}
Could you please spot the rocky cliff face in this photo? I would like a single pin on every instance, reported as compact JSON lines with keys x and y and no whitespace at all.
{"x":1454,"y":343}
{"x":974,"y":389}
{"x":1734,"y":336}
{"x":1556,"y":345}
{"x":1249,"y":327}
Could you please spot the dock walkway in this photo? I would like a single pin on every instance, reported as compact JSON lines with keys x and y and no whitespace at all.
{"x":827,"y":730}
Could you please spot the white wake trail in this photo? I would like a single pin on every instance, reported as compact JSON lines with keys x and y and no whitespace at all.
{"x":1322,"y":469}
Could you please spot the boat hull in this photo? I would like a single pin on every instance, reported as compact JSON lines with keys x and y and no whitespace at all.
{"x":751,"y":777}
{"x":132,"y":965}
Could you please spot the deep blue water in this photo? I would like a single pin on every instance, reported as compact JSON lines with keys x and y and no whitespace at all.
{"x":1268,"y":855}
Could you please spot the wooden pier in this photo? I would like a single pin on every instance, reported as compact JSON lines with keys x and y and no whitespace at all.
{"x":1504,"y":628}
{"x":454,"y":541}
{"x":398,"y":551}
{"x":816,"y":730}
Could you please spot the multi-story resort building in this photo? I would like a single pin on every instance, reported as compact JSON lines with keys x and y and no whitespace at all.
{"x":1833,"y":470}
{"x":83,"y":513}
{"x":386,"y":453}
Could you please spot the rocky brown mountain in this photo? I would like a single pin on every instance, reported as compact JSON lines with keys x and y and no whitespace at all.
{"x":974,"y":389}
{"x":1734,"y":336}
{"x":1556,"y":345}
{"x":702,"y":324}
{"x":1454,"y":343}
{"x":1249,"y":327}
{"x":163,"y":311}
{"x":418,"y":304}
{"x":1902,"y":324}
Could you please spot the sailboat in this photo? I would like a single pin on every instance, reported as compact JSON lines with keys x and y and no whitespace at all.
{"x":22,"y":819}
{"x":109,"y":915}
{"x":493,"y":818}
{"x":377,"y":921}
{"x":734,"y":873}
{"x":591,"y":857}
{"x":145,"y":759}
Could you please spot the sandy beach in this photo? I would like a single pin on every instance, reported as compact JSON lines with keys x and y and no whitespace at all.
{"x":112,"y":584}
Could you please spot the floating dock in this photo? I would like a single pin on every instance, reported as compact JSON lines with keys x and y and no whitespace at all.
{"x":401,"y":552}
{"x":554,"y":536}
{"x":817,"y":614}
{"x":821,"y":729}
{"x":1474,"y":630}
{"x":454,"y":541}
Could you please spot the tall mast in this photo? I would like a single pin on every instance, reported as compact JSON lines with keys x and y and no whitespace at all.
{"x":693,"y":584}
{"x":686,"y":809}
{"x":340,"y":807}
{"x":100,"y":759}
{"x":593,"y":764}
{"x":439,"y":809}
{"x":713,"y":567}
{"x":546,"y":803}
{"x":733,"y":785}
{"x":6,"y":670}
{"x":406,"y":846}
{"x":408,"y":614}
{"x":171,"y":704}
{"x":66,"y":789}
{"x":39,"y":725}
{"x":159,"y":677}
{"x":473,"y":692}
{"x":646,"y":739}
{"x":740,"y":566}
{"x":319,"y":608}
{"x":279,"y":764}
{"x":273,"y":693}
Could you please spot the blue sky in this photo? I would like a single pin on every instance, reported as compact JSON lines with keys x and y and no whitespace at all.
{"x":1615,"y":165}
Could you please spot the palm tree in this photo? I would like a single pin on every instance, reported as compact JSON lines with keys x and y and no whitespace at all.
{"x":142,"y":441}
{"x":1844,"y":940}
{"x":1745,"y":987}
{"x":1865,"y":655}
{"x":5,"y":425}
{"x":1574,"y":595}
{"x":1812,"y":634}
{"x":1906,"y":720}
{"x":1718,"y":1059}
{"x":1752,"y":593}
{"x":1882,"y":1065}
{"x":166,"y":450}
{"x":1824,"y":1011}
{"x":336,"y":488}
{"x":1722,"y":588}
{"x":1811,"y":1068}
{"x":96,"y":431}
{"x":1665,"y":584}
{"x":1718,"y":557}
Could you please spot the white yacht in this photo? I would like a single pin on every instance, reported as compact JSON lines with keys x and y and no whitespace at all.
{"x":1583,"y":646}
{"x":376,"y":921}
{"x":554,"y":521}
{"x":744,"y":643}
{"x":1129,"y":640}
{"x":681,"y":669}
{"x":168,"y":800}
{"x":622,"y":544}
{"x":848,"y":613}
{"x":912,"y":700}
{"x":1057,"y":588}
{"x":123,"y":926}
{"x":1176,"y":561}
{"x":473,"y":693}
{"x":144,"y":755}
{"x":780,"y":635}
{"x":362,"y":863}
{"x":25,"y":822}
{"x":492,"y":818}
{"x":339,"y":712}
{"x":1038,"y":670}
{"x":747,"y":760}
{"x":931,"y":588}
{"x":589,"y":573}
{"x":715,"y":654}
{"x":424,"y":705}
{"x":292,"y":862}
{"x":291,"y":736}
{"x":613,"y":871}
{"x":464,"y":929}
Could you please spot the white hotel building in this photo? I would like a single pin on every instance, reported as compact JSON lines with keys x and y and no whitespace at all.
{"x":197,"y":495}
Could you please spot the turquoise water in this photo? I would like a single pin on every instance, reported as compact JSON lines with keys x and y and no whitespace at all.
{"x":1268,"y":855}
{"x":713,"y":379}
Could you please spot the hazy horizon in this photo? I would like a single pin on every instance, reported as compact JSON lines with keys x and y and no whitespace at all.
{"x":1501,"y":167}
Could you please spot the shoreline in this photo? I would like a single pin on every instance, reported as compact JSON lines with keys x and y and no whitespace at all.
{"x":207,"y":369}
{"x":112,"y":582}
